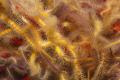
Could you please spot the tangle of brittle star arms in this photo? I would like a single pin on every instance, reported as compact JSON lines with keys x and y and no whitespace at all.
{"x":26,"y":15}
{"x":47,"y":25}
{"x":108,"y":4}
{"x":17,"y":28}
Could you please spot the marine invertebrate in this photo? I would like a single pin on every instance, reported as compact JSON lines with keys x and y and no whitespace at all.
{"x":59,"y":39}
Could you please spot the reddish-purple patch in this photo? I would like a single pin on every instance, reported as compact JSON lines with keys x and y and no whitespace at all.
{"x":17,"y":42}
{"x":6,"y":55}
{"x":26,"y":78}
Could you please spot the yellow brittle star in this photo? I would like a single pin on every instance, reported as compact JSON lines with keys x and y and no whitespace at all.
{"x":108,"y":4}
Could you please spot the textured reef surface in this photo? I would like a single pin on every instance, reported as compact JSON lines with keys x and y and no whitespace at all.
{"x":59,"y":39}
